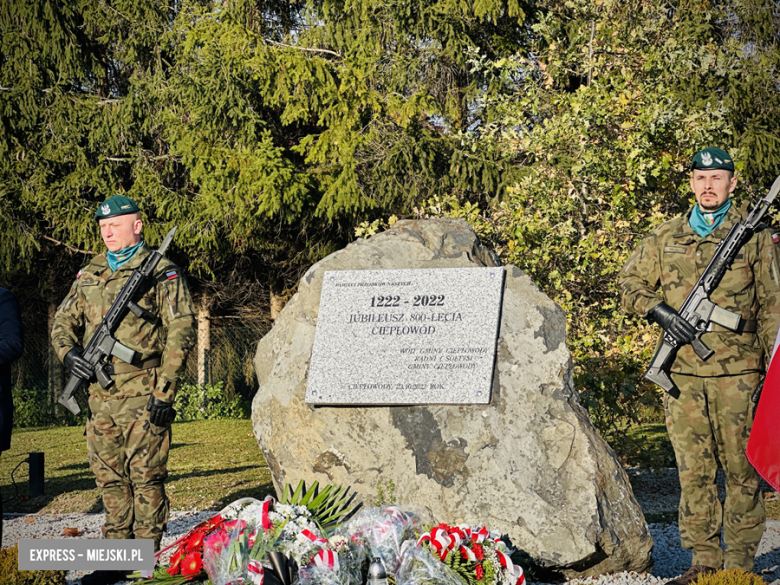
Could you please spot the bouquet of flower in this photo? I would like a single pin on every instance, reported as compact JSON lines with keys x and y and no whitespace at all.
{"x":420,"y":567}
{"x":264,"y":543}
{"x":382,"y":531}
{"x":475,"y":554}
{"x":226,"y":552}
{"x":187,"y":559}
{"x":338,"y":561}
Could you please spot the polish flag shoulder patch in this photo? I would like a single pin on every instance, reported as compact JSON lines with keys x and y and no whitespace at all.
{"x":80,"y":271}
{"x":775,"y":237}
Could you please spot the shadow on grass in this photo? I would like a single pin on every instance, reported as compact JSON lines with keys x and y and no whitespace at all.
{"x":178,"y":445}
{"x":208,"y":473}
{"x":81,"y":487}
{"x":75,"y":467}
{"x":53,"y":488}
{"x":258,"y":492}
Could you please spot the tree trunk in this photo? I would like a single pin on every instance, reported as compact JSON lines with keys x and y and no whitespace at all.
{"x":204,"y":342}
{"x":277,"y":297}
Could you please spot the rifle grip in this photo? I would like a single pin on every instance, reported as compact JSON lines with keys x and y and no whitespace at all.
{"x":701,"y":349}
{"x":105,"y":380}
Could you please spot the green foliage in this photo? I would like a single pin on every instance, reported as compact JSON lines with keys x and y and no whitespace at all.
{"x":270,"y":131}
{"x":730,"y":577}
{"x":385,"y":493}
{"x":264,"y":130}
{"x":329,"y":506}
{"x":208,"y":402}
{"x":602,"y":118}
{"x":33,"y":408}
{"x":465,"y":569}
{"x":11,"y":575}
{"x":646,"y":446}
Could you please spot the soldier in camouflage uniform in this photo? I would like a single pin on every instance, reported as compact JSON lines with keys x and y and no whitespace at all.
{"x":129,"y":430}
{"x":711,"y":419}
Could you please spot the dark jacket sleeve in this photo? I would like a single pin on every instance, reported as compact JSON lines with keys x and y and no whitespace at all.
{"x":11,"y":335}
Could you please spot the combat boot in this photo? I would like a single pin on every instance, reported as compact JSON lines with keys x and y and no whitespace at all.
{"x":691,"y":575}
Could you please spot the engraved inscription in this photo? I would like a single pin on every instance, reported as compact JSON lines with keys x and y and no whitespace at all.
{"x":406,"y":337}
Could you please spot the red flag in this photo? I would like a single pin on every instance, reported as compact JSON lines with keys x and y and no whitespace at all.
{"x":763,"y":450}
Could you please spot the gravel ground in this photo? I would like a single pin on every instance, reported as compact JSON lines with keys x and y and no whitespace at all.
{"x":19,"y":526}
{"x":657,"y":493}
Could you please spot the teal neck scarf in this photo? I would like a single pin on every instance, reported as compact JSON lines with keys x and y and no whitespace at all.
{"x":116,"y":259}
{"x":704,"y":222}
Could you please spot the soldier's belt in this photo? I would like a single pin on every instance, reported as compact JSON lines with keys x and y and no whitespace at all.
{"x":114,"y":368}
{"x":748,"y":326}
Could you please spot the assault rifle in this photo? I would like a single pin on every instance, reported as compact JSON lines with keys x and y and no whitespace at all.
{"x":103,"y":343}
{"x":698,"y":309}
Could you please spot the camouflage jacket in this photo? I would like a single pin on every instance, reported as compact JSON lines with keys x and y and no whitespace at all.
{"x":665,"y":267}
{"x":170,"y":337}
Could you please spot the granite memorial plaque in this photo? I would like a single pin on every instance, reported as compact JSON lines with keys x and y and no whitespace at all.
{"x":406,"y":337}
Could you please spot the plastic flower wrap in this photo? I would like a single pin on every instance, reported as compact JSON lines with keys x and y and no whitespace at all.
{"x":337,"y":561}
{"x":420,"y":567}
{"x":226,"y":552}
{"x":383,"y":530}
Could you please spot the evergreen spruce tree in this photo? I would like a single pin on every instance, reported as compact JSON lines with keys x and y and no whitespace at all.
{"x":265,"y":130}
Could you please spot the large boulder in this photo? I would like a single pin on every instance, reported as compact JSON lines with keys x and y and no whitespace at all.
{"x":529,"y":464}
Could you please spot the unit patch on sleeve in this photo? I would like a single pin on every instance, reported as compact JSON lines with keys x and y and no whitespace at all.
{"x":171,"y":274}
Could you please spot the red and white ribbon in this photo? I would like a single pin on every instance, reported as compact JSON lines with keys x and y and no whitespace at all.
{"x":441,"y":539}
{"x":327,"y":559}
{"x":313,"y":537}
{"x":480,"y":535}
{"x":467,"y":554}
{"x":266,"y":521}
{"x":515,"y":570}
{"x":435,"y":544}
{"x":256,"y":572}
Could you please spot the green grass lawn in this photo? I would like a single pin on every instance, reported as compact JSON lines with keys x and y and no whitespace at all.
{"x":211,"y":464}
{"x":647,"y":446}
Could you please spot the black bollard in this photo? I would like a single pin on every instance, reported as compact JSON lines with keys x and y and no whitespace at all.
{"x":36,"y":473}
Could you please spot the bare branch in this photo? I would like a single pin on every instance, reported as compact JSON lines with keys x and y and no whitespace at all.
{"x":313,"y":50}
{"x":71,"y":248}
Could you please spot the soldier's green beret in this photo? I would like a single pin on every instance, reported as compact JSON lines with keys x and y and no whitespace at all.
{"x":116,"y":205}
{"x":711,"y":159}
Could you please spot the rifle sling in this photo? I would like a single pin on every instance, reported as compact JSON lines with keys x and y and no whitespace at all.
{"x":114,"y":368}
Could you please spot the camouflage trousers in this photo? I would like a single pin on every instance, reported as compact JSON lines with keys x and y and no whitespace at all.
{"x":128,"y":456}
{"x":711,"y":422}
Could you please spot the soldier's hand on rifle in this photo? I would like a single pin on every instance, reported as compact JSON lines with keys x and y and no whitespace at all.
{"x":78,"y":365}
{"x":161,"y":413}
{"x":682,"y":331}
